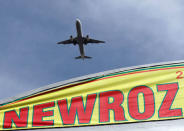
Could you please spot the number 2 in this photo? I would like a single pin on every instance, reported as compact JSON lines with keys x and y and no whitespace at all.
{"x":180,"y":73}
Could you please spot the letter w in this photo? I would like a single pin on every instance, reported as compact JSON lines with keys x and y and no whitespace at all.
{"x":77,"y":108}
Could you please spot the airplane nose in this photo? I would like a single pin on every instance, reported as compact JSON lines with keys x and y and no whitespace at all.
{"x":77,"y":21}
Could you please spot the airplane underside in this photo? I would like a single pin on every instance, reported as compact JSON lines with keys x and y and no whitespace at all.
{"x":81,"y":41}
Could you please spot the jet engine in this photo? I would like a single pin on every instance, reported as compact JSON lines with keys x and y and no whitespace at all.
{"x":71,"y":38}
{"x":87,"y":37}
{"x":74,"y":43}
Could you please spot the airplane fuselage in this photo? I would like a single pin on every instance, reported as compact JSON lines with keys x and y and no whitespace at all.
{"x":79,"y":38}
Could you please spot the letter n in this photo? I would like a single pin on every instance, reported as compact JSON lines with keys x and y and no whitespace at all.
{"x":20,"y":120}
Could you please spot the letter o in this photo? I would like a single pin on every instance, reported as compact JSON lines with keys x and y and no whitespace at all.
{"x":149,"y":103}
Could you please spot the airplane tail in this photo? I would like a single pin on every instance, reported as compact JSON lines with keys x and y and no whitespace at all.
{"x":83,"y":57}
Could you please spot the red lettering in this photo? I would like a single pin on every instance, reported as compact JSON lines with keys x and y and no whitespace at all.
{"x":180,"y":75}
{"x":77,"y":108}
{"x":19,"y":120}
{"x":165,"y":108}
{"x":106,"y":106}
{"x":39,"y":113}
{"x":149,"y":107}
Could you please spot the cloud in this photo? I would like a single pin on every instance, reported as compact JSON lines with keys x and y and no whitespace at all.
{"x":136,"y":32}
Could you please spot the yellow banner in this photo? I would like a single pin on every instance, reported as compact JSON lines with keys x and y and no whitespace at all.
{"x":146,"y":93}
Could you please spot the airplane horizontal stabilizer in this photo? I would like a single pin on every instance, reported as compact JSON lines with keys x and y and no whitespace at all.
{"x":84,"y":57}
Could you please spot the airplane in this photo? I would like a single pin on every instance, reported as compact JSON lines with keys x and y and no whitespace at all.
{"x":80,"y":40}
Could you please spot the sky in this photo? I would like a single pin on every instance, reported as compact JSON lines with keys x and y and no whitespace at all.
{"x":136,"y":32}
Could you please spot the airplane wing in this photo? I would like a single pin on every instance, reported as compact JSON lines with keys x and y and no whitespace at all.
{"x":94,"y":41}
{"x":66,"y":42}
{"x":69,"y":41}
{"x":89,"y":40}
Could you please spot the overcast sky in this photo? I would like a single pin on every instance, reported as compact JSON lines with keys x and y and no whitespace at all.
{"x":136,"y":32}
